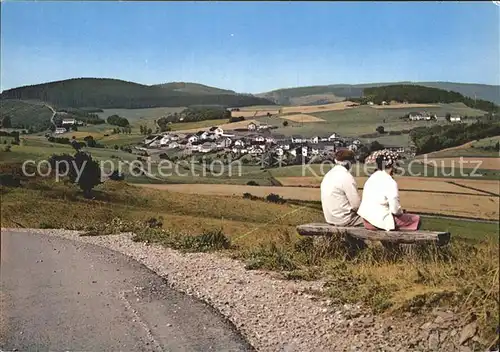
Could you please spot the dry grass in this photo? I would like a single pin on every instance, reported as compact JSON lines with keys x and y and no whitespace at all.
{"x":302,"y":118}
{"x":404,"y":106}
{"x":253,"y":113}
{"x":465,"y":162}
{"x":438,"y":185}
{"x":486,"y":185}
{"x":308,"y":109}
{"x":464,"y":205}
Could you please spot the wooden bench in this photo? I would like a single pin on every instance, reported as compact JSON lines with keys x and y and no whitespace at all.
{"x":387,"y":238}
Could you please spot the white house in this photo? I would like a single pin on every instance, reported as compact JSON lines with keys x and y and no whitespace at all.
{"x":252,"y":126}
{"x":239,"y":143}
{"x":155,"y":143}
{"x":332,"y":137}
{"x":69,"y":122}
{"x":165,"y":140}
{"x":279,"y":151}
{"x":217,"y":131}
{"x":304,"y":151}
{"x":150,"y":138}
{"x":193,"y":139}
{"x":60,"y":130}
{"x":173,"y":145}
{"x":204,"y":135}
{"x":353,"y":147}
{"x":370,"y":103}
{"x":356,"y":142}
{"x":455,"y":119}
{"x":270,"y":140}
{"x":314,"y":140}
{"x":298,"y":139}
{"x":260,"y":139}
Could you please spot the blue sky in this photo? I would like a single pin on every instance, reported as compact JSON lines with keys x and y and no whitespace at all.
{"x":250,"y":46}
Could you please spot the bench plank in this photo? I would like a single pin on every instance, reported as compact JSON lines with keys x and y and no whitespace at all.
{"x":397,"y":237}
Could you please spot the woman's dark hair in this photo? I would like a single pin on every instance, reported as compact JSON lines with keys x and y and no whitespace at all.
{"x":381,"y":164}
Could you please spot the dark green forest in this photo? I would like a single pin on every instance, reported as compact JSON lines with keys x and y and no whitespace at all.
{"x":112,"y":93}
{"x":423,"y":95}
{"x":437,"y":137}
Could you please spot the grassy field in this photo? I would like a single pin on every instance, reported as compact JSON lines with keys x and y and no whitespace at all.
{"x":364,"y":119}
{"x":302,"y":118}
{"x":34,"y":114}
{"x":138,"y":117}
{"x":262,"y":234}
{"x":406,"y":183}
{"x":476,"y":205}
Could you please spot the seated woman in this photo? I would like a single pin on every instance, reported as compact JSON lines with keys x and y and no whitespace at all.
{"x":380,"y":207}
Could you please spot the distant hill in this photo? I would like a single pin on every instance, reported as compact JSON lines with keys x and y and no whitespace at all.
{"x":286,"y":96}
{"x":112,"y":93}
{"x":194,"y":88}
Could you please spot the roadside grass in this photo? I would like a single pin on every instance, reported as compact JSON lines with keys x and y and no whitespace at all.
{"x":464,"y":277}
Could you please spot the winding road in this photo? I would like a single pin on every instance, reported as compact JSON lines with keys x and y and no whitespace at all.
{"x":58,"y":294}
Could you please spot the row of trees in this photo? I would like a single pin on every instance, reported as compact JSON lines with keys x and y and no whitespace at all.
{"x":437,"y":137}
{"x":193,"y":114}
{"x":124,"y":130}
{"x":145,"y":130}
{"x":424,"y":95}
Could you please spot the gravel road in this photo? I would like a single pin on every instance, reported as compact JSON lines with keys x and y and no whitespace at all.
{"x":59,"y":294}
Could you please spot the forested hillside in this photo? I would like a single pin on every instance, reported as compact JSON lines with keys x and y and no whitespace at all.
{"x":19,"y":114}
{"x":194,"y":88}
{"x":437,"y":137}
{"x":424,"y":95}
{"x":112,"y":93}
{"x":286,"y":96}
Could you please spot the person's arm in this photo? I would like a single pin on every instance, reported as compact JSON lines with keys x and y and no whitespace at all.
{"x":351,"y":192}
{"x":393,"y":198}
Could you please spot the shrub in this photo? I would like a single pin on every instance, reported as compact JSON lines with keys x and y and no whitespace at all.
{"x":82,"y":165}
{"x":275,"y":198}
{"x":247,"y":195}
{"x":116,"y":176}
{"x":9,"y":180}
{"x":252,"y":183}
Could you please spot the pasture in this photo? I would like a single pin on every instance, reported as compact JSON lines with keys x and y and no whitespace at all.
{"x":137,"y":117}
{"x":404,"y":106}
{"x":490,"y":163}
{"x":356,"y":121}
{"x":301,"y":118}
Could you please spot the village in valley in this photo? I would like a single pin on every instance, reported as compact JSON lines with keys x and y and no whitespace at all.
{"x":259,"y":141}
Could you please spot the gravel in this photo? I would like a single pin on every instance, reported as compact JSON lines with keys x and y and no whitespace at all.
{"x":282,"y":315}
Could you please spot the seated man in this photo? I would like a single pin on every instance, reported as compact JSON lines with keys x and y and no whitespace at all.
{"x":339,"y":192}
{"x":380,"y":207}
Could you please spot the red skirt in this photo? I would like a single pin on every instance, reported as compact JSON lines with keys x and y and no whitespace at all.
{"x":403,"y":222}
